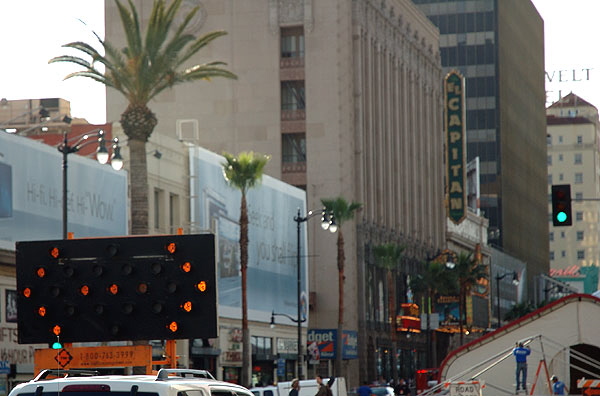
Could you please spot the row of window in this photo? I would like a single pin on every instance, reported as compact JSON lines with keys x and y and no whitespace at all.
{"x":578,"y":179}
{"x":580,"y":254}
{"x":577,"y":158}
{"x":578,"y":139}
{"x":481,"y":119}
{"x":462,"y":55}
{"x":478,"y":87}
{"x":464,"y":23}
{"x":579,"y":234}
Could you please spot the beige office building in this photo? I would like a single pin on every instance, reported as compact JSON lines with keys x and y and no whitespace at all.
{"x":346,"y":98}
{"x":574,"y":158}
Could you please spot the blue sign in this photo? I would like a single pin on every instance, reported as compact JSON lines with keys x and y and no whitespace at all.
{"x":350,"y":341}
{"x":4,"y":367}
{"x":326,"y":341}
{"x":281,"y":367}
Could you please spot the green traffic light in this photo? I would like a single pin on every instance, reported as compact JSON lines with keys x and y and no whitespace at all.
{"x":57,"y":345}
{"x":561,"y":217}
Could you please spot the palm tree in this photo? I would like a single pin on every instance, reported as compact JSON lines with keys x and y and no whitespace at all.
{"x":342,"y":211}
{"x":468,"y":272}
{"x":243,"y":173}
{"x":435,"y":278}
{"x":144,"y":68}
{"x":388,"y":256}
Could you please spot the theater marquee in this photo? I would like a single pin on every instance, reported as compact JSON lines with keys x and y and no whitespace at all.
{"x":454,"y":120}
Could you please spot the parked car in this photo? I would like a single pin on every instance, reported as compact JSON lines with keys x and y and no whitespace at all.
{"x":307,"y":388}
{"x":376,"y":390}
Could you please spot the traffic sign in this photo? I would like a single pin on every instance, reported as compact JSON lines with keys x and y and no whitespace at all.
{"x":90,"y":357}
{"x":103,"y":289}
{"x":465,"y":388}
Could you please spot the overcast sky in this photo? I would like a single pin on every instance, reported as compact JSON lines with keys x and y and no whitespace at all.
{"x":33,"y":31}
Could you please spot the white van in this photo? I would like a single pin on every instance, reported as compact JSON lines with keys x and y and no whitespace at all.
{"x":307,"y":388}
{"x":168,"y":382}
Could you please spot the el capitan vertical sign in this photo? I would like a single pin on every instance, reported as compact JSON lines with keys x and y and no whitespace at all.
{"x":456,"y":166}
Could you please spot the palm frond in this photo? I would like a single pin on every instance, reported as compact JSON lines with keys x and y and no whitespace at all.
{"x":244,"y":171}
{"x":131,"y":27}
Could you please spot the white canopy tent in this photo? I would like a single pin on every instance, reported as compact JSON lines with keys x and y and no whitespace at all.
{"x":564,"y":337}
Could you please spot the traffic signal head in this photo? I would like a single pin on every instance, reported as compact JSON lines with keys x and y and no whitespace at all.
{"x":561,"y":205}
{"x":110,"y":289}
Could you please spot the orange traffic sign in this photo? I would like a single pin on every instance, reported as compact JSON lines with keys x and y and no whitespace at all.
{"x":591,"y":391}
{"x":91,"y":357}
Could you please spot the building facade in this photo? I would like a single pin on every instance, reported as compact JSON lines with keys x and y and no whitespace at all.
{"x":498,"y":45}
{"x":346,"y":98}
{"x":574,"y":158}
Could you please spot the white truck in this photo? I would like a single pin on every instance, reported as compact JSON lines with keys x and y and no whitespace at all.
{"x":307,"y":388}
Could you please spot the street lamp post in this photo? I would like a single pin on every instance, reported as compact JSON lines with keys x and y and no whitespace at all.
{"x":101,"y":155}
{"x":515,"y":281}
{"x":327,"y":223}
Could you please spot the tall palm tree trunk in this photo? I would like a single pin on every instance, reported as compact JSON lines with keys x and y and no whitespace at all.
{"x":392,"y":305}
{"x":138,"y":176}
{"x":340,"y":264}
{"x":245,"y":380}
{"x":138,"y":188}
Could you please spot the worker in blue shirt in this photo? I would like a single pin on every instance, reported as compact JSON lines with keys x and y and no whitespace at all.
{"x":521,"y":354}
{"x":558,"y":387}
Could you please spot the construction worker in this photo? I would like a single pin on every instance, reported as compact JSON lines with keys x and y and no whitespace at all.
{"x":521,"y":354}
{"x":558,"y":387}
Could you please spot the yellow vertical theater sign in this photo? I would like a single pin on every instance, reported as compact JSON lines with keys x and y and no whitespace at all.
{"x":456,"y":171}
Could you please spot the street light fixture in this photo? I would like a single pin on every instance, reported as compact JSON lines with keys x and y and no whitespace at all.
{"x":102,"y":155}
{"x":273,"y":314}
{"x":515,"y":282}
{"x":327,"y":223}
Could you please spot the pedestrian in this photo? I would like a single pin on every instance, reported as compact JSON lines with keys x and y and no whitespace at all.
{"x":521,"y":352}
{"x":364,"y":389}
{"x":558,"y":387}
{"x":402,"y":388}
{"x":381,"y":381}
{"x":323,"y":389}
{"x":295,"y":388}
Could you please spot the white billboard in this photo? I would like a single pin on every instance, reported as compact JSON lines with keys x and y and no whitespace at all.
{"x":272,"y":250}
{"x":31,"y":194}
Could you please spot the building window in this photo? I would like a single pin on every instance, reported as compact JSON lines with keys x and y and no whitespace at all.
{"x":580,"y":139}
{"x":560,"y":139}
{"x":551,"y":255}
{"x":563,"y":253}
{"x":560,"y":157}
{"x":578,"y":196}
{"x":551,"y":236}
{"x":580,"y":254}
{"x":292,"y":95}
{"x":549,"y":140}
{"x":292,"y":42}
{"x":293,"y":147}
{"x":562,"y":234}
{"x":561,"y":177}
{"x":261,"y":345}
{"x":580,"y":235}
{"x":578,"y":178}
{"x":174,"y":220}
{"x":549,"y":160}
{"x":578,"y":159}
{"x":579,"y":216}
{"x":549,"y":179}
{"x":158,"y":205}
